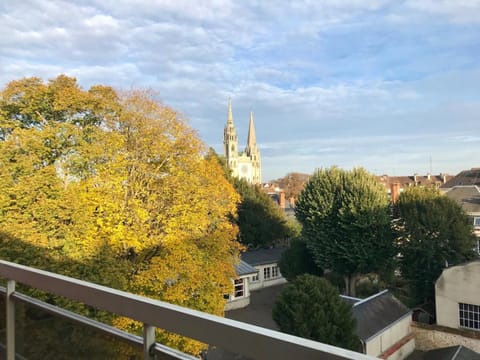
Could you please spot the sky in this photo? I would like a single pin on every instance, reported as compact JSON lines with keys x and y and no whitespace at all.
{"x":393,"y":86}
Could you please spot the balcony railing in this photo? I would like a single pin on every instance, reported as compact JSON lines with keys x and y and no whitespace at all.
{"x":251,"y":341}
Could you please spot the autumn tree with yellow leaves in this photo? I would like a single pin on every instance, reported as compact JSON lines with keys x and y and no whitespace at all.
{"x":118,"y":187}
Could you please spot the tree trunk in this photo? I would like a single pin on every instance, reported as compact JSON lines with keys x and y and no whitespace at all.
{"x":350,"y":284}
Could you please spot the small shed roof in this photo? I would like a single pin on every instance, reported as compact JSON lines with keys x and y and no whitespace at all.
{"x":243,"y":268}
{"x":263,"y":256}
{"x":377,"y":313}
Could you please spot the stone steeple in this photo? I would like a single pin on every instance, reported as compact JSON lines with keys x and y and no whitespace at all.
{"x":230,"y":141}
{"x":230,"y":114}
{"x":251,"y":139}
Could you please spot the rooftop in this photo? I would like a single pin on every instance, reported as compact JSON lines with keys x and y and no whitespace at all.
{"x":465,"y":177}
{"x":263,"y":256}
{"x":467,"y":196}
{"x":377,"y":313}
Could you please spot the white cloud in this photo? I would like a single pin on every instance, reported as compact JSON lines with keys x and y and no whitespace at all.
{"x":325,"y":79}
{"x":459,"y":11}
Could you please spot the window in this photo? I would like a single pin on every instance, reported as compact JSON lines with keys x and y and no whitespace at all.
{"x":266,"y":273}
{"x":271,"y":272}
{"x":238,"y":288}
{"x":469,"y":316}
{"x":275,"y":271}
{"x":255,"y":278}
{"x":476,"y":221}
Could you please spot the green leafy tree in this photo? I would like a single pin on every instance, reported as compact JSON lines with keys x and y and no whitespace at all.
{"x":434,"y":232}
{"x":310,"y":307}
{"x":346,"y":223}
{"x":298,"y":260}
{"x":261,"y":222}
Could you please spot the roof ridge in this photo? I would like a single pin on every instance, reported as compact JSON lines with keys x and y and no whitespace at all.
{"x":457,"y":352}
{"x":371,"y":297}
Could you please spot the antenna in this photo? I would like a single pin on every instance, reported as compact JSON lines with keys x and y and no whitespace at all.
{"x":430,"y":164}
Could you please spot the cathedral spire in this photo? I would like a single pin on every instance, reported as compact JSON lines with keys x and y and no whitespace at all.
{"x":230,"y":115}
{"x":251,"y":139}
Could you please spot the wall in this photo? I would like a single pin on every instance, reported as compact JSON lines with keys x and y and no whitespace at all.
{"x":458,"y":284}
{"x":428,"y":337}
{"x":390,"y":337}
{"x":261,"y":283}
{"x":242,"y":301}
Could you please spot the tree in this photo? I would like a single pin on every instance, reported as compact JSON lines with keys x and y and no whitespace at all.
{"x":297,"y":260}
{"x":261,"y":222}
{"x":292,"y":183}
{"x":346,"y":222}
{"x":117,"y":185}
{"x":311,"y":307}
{"x":434,"y":232}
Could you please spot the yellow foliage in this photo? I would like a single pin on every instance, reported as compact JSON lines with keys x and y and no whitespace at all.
{"x":118,"y":188}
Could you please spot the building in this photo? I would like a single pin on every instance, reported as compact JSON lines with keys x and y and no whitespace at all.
{"x":464,"y":188}
{"x":468,"y":197}
{"x":257,"y":269}
{"x":464,"y":178}
{"x":457,"y":296}
{"x":265,"y":261}
{"x":247,"y":164}
{"x":241,"y":289}
{"x":394,"y":185}
{"x":383,"y":325}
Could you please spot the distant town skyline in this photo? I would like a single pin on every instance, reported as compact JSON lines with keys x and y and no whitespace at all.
{"x":387,"y":85}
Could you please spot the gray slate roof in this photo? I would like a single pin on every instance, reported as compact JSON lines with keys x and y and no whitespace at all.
{"x":452,"y":353}
{"x":466,"y":177}
{"x":263,"y":256}
{"x":243,"y":268}
{"x":377,"y":312}
{"x":468,"y":197}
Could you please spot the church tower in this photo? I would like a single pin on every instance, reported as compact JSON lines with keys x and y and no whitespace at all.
{"x":230,"y":142}
{"x":246,"y":165}
{"x":252,"y":152}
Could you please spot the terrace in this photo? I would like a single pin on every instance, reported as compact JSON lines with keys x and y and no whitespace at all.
{"x":248,"y":340}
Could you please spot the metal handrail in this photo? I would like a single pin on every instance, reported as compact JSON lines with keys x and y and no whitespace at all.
{"x":250,"y":340}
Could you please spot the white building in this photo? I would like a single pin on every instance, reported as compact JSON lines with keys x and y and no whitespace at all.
{"x":265,"y":261}
{"x":241,"y":286}
{"x":457,"y":296}
{"x":383,"y":326}
{"x":256,"y":270}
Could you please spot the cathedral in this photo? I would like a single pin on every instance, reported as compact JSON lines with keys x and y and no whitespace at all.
{"x":245,"y":165}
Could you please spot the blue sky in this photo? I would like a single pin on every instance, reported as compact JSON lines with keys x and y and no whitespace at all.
{"x":387,"y":85}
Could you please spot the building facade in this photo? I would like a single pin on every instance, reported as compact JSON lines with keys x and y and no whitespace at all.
{"x":383,"y":326}
{"x":247,"y":164}
{"x":468,"y":197}
{"x":457,"y":296}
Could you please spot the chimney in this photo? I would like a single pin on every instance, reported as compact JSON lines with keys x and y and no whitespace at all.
{"x":415,"y":178}
{"x":282,"y":199}
{"x":395,"y":192}
{"x":428,"y":176}
{"x":444,"y":178}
